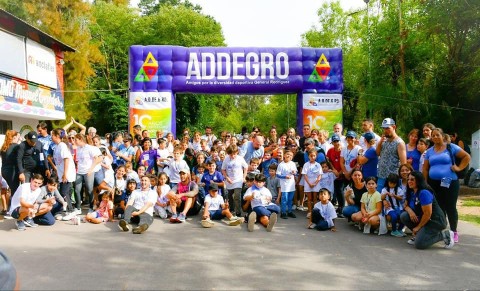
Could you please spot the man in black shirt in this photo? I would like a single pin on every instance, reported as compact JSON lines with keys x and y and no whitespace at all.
{"x":31,"y":159}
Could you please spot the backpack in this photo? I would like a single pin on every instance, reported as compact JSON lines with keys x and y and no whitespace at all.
{"x":456,"y":161}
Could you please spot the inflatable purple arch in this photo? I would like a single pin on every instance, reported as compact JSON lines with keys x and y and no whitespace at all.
{"x":158,"y":72}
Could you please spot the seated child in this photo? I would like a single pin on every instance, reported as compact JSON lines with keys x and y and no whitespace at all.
{"x":262,"y":206}
{"x":216,"y":209}
{"x":371,"y":207}
{"x":393,"y":196}
{"x":161,"y":207}
{"x":104,"y":212}
{"x":323,"y":213}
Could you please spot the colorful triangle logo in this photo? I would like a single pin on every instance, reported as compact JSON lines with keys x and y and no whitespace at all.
{"x":148,"y":70}
{"x":321,"y":70}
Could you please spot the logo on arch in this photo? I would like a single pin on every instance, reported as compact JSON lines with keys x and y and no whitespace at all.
{"x":148,"y":70}
{"x":321,"y":70}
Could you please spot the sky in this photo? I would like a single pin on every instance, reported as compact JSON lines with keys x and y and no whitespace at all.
{"x":266,"y":23}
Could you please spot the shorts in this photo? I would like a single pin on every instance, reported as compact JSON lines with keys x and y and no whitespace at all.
{"x":16,"y":213}
{"x":216,"y":214}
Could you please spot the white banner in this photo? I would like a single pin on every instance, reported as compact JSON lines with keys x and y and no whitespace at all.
{"x":12,"y":50}
{"x":41,"y":67}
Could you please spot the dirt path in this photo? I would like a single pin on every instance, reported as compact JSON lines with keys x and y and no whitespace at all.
{"x":472,"y":210}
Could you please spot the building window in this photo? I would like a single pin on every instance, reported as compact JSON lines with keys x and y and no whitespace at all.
{"x":5,"y":125}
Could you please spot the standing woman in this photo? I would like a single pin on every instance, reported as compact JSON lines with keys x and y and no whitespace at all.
{"x":427,"y":130}
{"x":413,"y":155}
{"x":9,"y":161}
{"x":440,"y":171}
{"x":423,"y":215}
{"x":65,"y":167}
{"x":368,"y":160}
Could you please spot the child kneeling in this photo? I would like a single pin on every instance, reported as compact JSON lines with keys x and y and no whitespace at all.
{"x":104,"y":212}
{"x":323,"y":213}
{"x":216,"y":209}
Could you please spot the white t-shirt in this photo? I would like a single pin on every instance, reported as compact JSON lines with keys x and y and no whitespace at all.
{"x":327,"y":181}
{"x":349,"y":155}
{"x":60,"y":153}
{"x":327,"y":211}
{"x":215,"y":202}
{"x":24,"y":191}
{"x":396,"y":203}
{"x":85,"y":157}
{"x":261,"y":197}
{"x":164,"y":189}
{"x":285,"y":169}
{"x":234,"y":170}
{"x":312,"y":171}
{"x":174,"y":168}
{"x":133,"y":175}
{"x":140,"y":198}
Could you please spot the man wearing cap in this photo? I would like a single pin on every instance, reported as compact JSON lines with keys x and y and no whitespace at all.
{"x":392,"y":152}
{"x":31,"y":159}
{"x":337,"y":130}
{"x":183,"y":197}
{"x":139,"y":208}
{"x":216,"y":209}
{"x":367,"y":127}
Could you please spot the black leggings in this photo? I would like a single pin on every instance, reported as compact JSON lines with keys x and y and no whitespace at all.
{"x":447,"y":199}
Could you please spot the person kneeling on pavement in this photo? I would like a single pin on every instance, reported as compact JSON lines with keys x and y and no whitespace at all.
{"x":50,"y":199}
{"x":262,"y":206}
{"x":216,"y":209}
{"x":139,"y":208}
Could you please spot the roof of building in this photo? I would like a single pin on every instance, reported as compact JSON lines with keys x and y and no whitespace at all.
{"x":13,"y":24}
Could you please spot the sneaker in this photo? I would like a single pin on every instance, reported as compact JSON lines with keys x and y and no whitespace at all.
{"x":312,"y":226}
{"x":455,"y":237}
{"x":207,"y":223}
{"x":140,"y":229}
{"x":411,"y":241}
{"x":283,"y":215}
{"x":7,"y":216}
{"x":123,"y":225}
{"x":301,"y":208}
{"x":20,"y":224}
{"x":68,"y":216}
{"x":450,"y":240}
{"x":271,"y":221}
{"x":174,"y":218}
{"x":295,"y":207}
{"x":402,"y":233}
{"x":120,"y":216}
{"x":237,"y":221}
{"x":367,"y":228}
{"x":340,"y":215}
{"x":252,"y":218}
{"x":396,"y":233}
{"x":182,"y":217}
{"x":29,"y":222}
{"x":78,"y":211}
{"x":291,"y":214}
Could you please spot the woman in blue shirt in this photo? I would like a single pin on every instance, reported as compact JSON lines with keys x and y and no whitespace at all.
{"x":423,"y":215}
{"x":440,"y":170}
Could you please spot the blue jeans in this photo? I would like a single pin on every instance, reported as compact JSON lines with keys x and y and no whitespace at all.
{"x":45,"y":219}
{"x":380,"y":184}
{"x":287,"y":201}
{"x":429,"y":234}
{"x":88,"y":180}
{"x":349,"y":210}
{"x":319,"y":220}
{"x":394,"y":218}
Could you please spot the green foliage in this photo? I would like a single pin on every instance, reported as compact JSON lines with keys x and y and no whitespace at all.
{"x":109,"y":112}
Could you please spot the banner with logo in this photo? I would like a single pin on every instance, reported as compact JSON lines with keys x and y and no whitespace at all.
{"x":41,"y":66}
{"x":30,"y":100}
{"x":322,"y":111}
{"x":152,"y":111}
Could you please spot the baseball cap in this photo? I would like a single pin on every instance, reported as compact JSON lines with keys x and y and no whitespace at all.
{"x":335,"y":138}
{"x":213,"y":187}
{"x":369,"y":136}
{"x":387,"y":122}
{"x":32,"y":135}
{"x":185,"y":170}
{"x":351,"y":133}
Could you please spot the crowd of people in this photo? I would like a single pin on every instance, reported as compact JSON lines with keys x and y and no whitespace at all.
{"x":378,"y":183}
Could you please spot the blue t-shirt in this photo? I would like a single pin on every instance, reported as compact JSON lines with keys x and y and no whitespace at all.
{"x":441,"y":163}
{"x":320,"y":157}
{"x":264,"y":166}
{"x":216,"y":177}
{"x":424,"y":197}
{"x":415,"y":157}
{"x":369,"y":169}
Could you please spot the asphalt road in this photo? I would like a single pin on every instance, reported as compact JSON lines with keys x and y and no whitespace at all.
{"x":187,"y":256}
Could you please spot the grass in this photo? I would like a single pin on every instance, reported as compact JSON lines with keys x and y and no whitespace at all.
{"x":471,"y":202}
{"x":469,"y":218}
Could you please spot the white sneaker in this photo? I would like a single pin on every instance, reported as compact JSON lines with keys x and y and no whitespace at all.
{"x":295,"y":207}
{"x":411,"y":241}
{"x":252,"y":218}
{"x":77,"y":211}
{"x":301,"y":208}
{"x":449,"y":242}
{"x":237,"y":221}
{"x":207,"y":223}
{"x":312,"y":226}
{"x":69,"y":216}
